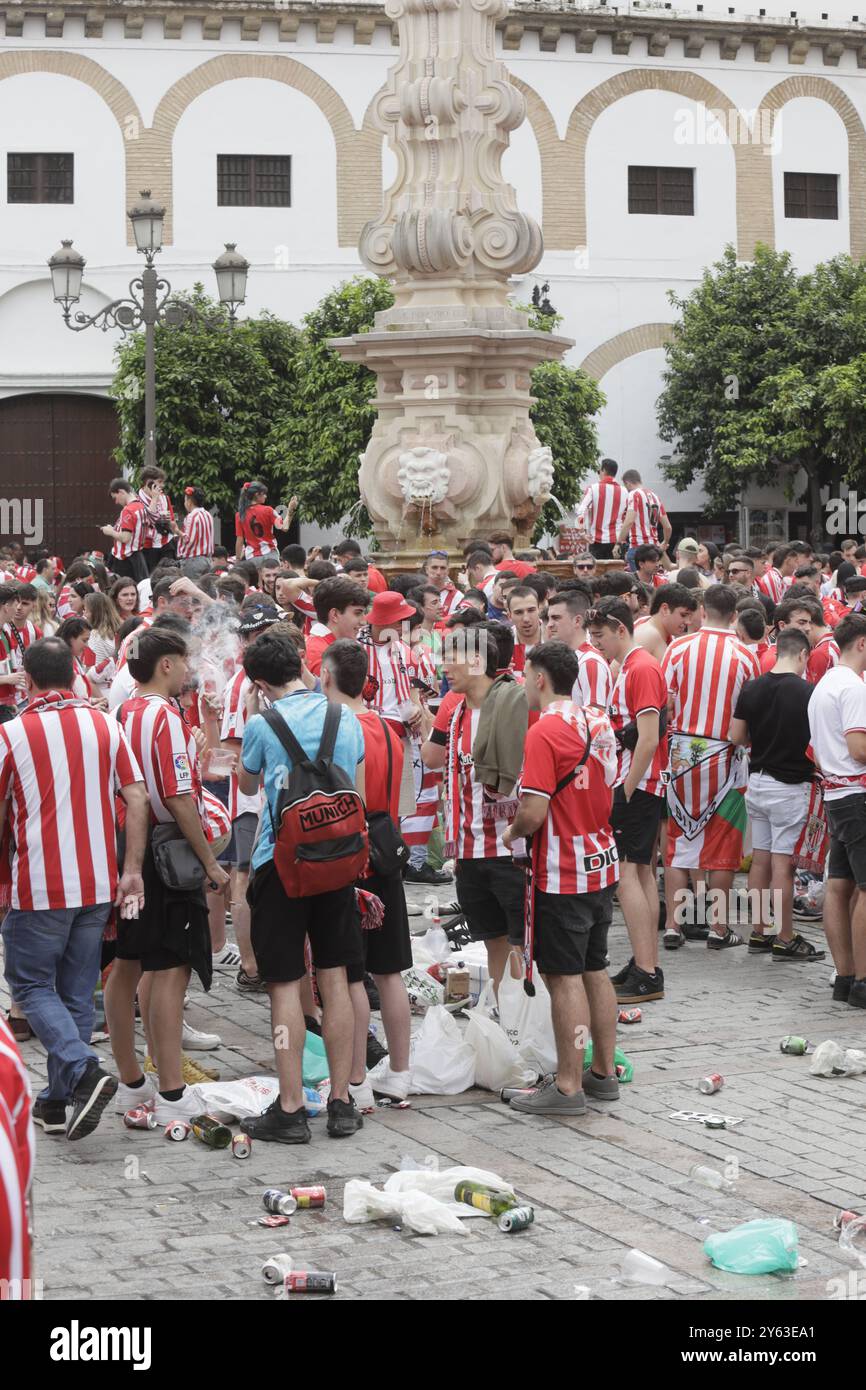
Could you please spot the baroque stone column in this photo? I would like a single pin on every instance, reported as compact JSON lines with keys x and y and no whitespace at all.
{"x":453,"y":452}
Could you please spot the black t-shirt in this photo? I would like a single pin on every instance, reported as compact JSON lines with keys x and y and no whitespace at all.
{"x":775,"y":708}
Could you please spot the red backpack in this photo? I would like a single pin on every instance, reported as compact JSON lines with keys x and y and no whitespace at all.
{"x":320,"y":831}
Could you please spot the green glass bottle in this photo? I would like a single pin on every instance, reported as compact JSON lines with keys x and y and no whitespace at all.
{"x":211,"y":1132}
{"x":475,"y":1194}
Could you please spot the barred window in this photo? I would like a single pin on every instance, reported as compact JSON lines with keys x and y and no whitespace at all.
{"x":812,"y":195}
{"x":254,"y":180}
{"x":39,"y":178}
{"x":660,"y":190}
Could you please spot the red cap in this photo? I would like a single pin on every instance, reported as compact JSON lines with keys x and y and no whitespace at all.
{"x":389,"y":609}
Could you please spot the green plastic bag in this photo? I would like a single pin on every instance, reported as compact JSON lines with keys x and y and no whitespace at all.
{"x":756,"y":1247}
{"x":314,"y":1065}
{"x":619,"y":1060}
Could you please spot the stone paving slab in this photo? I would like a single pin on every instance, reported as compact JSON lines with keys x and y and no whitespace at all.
{"x":125,"y":1214}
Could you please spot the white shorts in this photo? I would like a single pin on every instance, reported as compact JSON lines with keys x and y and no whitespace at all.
{"x":777,"y":811}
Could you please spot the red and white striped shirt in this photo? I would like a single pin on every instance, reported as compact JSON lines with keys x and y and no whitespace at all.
{"x":61,"y":763}
{"x":159,"y":506}
{"x":772,"y":585}
{"x":233,"y":725}
{"x":648,"y":511}
{"x":602,"y":510}
{"x":164,"y":747}
{"x":389,"y":673}
{"x":133,"y":519}
{"x":475,"y":822}
{"x":640,"y":688}
{"x":450,"y":600}
{"x":574,"y":850}
{"x":594,"y":684}
{"x":197,"y":535}
{"x":26,"y":573}
{"x":15,"y":640}
{"x":17,"y":1159}
{"x":822,"y":658}
{"x":705,"y":672}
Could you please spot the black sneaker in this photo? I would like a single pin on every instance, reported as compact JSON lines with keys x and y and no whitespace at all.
{"x":673,"y":939}
{"x":426,"y":875}
{"x":343,"y":1118}
{"x":89,"y":1099}
{"x":842,"y":988}
{"x":312,"y":1025}
{"x":798,"y":949}
{"x":250,"y":984}
{"x":50,"y":1115}
{"x":279,"y":1126}
{"x":622,"y":975}
{"x":857,"y":994}
{"x":723,"y":943}
{"x":640,"y":987}
{"x":375,"y":1051}
{"x":761,"y":943}
{"x":695,"y":933}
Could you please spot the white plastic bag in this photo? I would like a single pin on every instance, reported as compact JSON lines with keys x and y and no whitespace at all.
{"x":239,"y":1100}
{"x":497,"y":1061}
{"x":526,"y":1020}
{"x":418,"y":1210}
{"x":442,"y":1063}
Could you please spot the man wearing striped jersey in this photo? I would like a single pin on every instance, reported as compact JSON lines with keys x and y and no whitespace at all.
{"x":196,"y":538}
{"x":436,"y":571}
{"x":602,"y":510}
{"x":780,"y":573}
{"x":565,"y":804}
{"x":566,"y":619}
{"x":705,"y":672}
{"x":128,"y":534}
{"x":645,"y":515}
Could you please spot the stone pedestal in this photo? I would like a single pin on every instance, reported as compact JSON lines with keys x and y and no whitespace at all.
{"x":453,"y":453}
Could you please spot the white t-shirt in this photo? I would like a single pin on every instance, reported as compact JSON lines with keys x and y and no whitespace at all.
{"x":837,"y":708}
{"x":122,"y":688}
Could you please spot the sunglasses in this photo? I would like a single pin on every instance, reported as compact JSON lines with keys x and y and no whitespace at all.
{"x":437,"y":555}
{"x":584,"y":567}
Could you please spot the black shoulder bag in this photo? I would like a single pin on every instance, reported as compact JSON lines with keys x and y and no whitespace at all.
{"x":388,"y":850}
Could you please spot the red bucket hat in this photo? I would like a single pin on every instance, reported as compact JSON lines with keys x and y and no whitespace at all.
{"x":389,"y":609}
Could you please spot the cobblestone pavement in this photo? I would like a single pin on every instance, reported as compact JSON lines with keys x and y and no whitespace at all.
{"x":124,"y":1214}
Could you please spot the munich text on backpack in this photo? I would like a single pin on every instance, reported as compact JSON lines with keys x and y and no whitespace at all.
{"x":320,"y":835}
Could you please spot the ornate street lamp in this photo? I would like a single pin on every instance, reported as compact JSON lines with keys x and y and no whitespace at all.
{"x":149,"y":302}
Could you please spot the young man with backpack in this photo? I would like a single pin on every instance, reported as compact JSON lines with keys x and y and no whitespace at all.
{"x":387,"y":951}
{"x":307,"y":800}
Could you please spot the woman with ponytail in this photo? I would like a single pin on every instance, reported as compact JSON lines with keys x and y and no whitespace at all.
{"x":255,"y":522}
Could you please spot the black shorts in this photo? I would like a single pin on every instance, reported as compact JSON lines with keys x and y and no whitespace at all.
{"x":571,"y":931}
{"x":492,"y":898}
{"x":388,"y":951}
{"x":280,"y":926}
{"x":847,"y":820}
{"x":152,"y":937}
{"x":602,"y":550}
{"x":635,"y":825}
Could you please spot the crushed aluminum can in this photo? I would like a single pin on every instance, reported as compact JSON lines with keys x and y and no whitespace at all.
{"x":242,"y":1146}
{"x":276,"y":1268}
{"x":516,"y":1220}
{"x":310,"y":1281}
{"x":275,"y":1219}
{"x":842,"y":1218}
{"x":796,"y":1047}
{"x":139,"y":1118}
{"x":715,"y":1122}
{"x":710,"y":1084}
{"x":308,"y":1196}
{"x":177,"y":1130}
{"x":629,"y":1016}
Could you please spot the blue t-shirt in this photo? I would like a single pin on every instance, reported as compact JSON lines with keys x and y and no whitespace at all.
{"x":261,"y":751}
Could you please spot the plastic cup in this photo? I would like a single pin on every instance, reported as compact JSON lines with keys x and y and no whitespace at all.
{"x":639,"y":1268}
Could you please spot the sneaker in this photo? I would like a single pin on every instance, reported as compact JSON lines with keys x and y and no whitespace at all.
{"x":128,"y":1097}
{"x":549,"y":1100}
{"x":229,"y":958}
{"x":600,"y":1087}
{"x":425,"y":875}
{"x":640,"y":987}
{"x":695,"y":933}
{"x":50,"y":1115}
{"x":19,"y":1028}
{"x":343,"y":1118}
{"x":721,"y":943}
{"x":89,"y":1099}
{"x":375,"y":1051}
{"x":362,"y":1095}
{"x":842,"y":988}
{"x":673,"y":939}
{"x":798,"y":949}
{"x":194,"y":1041}
{"x":393,"y":1084}
{"x":761,"y":943}
{"x":250,"y":984}
{"x":857,"y":994}
{"x":279,"y":1126}
{"x":622,"y":975}
{"x":97,"y":1036}
{"x":191,"y":1104}
{"x":193,"y":1073}
{"x":805,"y":913}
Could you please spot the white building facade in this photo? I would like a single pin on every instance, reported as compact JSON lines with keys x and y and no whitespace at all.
{"x":655,"y":135}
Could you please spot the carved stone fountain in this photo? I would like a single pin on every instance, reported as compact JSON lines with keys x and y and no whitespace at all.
{"x":453,"y":453}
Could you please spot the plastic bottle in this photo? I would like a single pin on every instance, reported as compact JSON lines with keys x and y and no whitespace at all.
{"x":852,"y":1240}
{"x":710,"y":1177}
{"x":436,"y":942}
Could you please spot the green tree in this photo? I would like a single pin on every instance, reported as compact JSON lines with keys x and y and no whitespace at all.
{"x":765,"y":375}
{"x":217,"y":391}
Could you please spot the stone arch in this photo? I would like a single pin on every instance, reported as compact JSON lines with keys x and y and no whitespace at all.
{"x":615,"y":350}
{"x":555,"y":221}
{"x":116,"y":97}
{"x":822,"y":90}
{"x":359,"y":160}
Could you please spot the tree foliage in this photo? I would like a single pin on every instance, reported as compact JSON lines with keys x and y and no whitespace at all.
{"x":765,"y":375}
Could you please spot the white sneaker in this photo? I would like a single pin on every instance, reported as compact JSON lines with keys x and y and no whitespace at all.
{"x":190,"y":1104}
{"x":229,"y":958}
{"x":194,"y":1041}
{"x":394,"y":1084}
{"x":362,"y":1095}
{"x":128,"y":1097}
